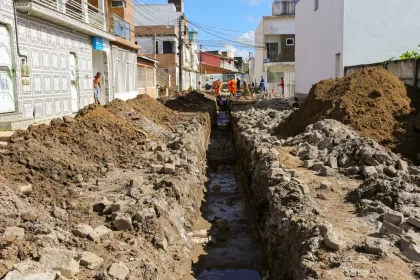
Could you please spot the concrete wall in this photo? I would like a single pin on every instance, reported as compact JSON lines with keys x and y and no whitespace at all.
{"x":408,"y":71}
{"x":319,"y":38}
{"x":48,"y":47}
{"x":375,"y":32}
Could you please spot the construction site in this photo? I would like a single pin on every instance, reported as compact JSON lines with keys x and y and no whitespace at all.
{"x":179,"y":188}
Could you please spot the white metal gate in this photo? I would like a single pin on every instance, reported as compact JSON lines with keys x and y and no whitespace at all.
{"x":73,"y":83}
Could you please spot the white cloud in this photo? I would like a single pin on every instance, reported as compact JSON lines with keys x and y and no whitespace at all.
{"x":247,"y":37}
{"x":250,"y":18}
{"x":252,"y":2}
{"x":237,"y":52}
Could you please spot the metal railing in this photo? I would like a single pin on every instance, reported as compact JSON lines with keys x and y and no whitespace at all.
{"x":79,"y":10}
{"x":120,"y":27}
{"x":281,"y":8}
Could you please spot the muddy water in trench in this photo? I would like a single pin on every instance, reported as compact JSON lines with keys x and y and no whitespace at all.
{"x":234,"y":251}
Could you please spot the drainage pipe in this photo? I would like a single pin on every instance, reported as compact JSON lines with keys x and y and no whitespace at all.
{"x":16,"y":32}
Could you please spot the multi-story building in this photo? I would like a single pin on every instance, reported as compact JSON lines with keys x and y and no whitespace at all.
{"x":124,"y":49}
{"x":333,"y":34}
{"x":157,"y":31}
{"x":218,"y":62}
{"x":50,"y":51}
{"x":275,"y":48}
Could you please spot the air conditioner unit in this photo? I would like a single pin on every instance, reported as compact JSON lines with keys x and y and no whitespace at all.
{"x":118,"y":4}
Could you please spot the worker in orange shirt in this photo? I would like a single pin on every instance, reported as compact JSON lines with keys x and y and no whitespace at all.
{"x":233,"y":83}
{"x":220,"y":86}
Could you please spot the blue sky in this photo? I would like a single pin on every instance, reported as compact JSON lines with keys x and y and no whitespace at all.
{"x":231,"y":19}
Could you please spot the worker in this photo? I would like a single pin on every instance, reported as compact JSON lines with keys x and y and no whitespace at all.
{"x":246,"y":88}
{"x":233,"y":82}
{"x":262,"y":85}
{"x":238,"y":83}
{"x":214,"y":86}
{"x":220,"y":86}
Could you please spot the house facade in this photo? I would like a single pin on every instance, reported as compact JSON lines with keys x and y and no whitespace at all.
{"x":158,"y":34}
{"x":50,"y":52}
{"x":275,"y":48}
{"x":333,"y":34}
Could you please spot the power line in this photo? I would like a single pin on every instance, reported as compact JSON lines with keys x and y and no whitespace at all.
{"x":215,"y":35}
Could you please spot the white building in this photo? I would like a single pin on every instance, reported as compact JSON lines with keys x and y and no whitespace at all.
{"x":275,"y":51}
{"x":333,"y":34}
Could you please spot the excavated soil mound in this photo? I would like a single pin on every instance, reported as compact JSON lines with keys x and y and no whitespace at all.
{"x":373,"y":101}
{"x":193,"y":101}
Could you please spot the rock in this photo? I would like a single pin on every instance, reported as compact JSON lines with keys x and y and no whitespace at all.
{"x":83,"y":231}
{"x":317,"y":166}
{"x":60,"y":214}
{"x":342,"y":160}
{"x":160,"y":242}
{"x":145,"y":215}
{"x":325,"y":186}
{"x":332,"y":162}
{"x":414,"y":221}
{"x":412,"y":252}
{"x":118,"y":270}
{"x":14,"y":233}
{"x":134,"y":193}
{"x":68,"y":119}
{"x":390,"y":229}
{"x":394,"y":218}
{"x":161,"y":148}
{"x":123,"y":222}
{"x":26,"y":189}
{"x":62,"y":260}
{"x":91,"y":261}
{"x":312,"y":152}
{"x":29,"y":216}
{"x":390,"y":171}
{"x":78,"y":179}
{"x":331,"y":241}
{"x":376,"y":246}
{"x":304,"y":188}
{"x":402,"y":165}
{"x":308,"y":163}
{"x":169,"y":168}
{"x":352,"y":170}
{"x":156,"y":168}
{"x":369,"y":171}
{"x":222,"y":224}
{"x":101,"y":231}
{"x":28,"y":266}
{"x":327,"y":171}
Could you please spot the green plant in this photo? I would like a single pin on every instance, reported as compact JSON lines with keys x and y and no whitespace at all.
{"x":410,"y":55}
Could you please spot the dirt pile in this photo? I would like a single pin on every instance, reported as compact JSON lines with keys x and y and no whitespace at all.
{"x":193,"y":101}
{"x":372,"y":101}
{"x":94,"y":192}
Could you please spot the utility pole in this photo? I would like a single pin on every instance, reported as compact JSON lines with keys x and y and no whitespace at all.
{"x":181,"y":49}
{"x":201,"y":65}
{"x":154,"y":46}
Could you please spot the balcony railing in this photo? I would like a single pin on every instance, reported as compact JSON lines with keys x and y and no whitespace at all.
{"x":120,"y":27}
{"x":79,"y":10}
{"x":281,"y":8}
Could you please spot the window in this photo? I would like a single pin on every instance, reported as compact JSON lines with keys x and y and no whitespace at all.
{"x":150,"y":78}
{"x":142,"y":78}
{"x":272,"y":51}
{"x":157,"y":47}
{"x":290,"y":42}
{"x":316,"y":5}
{"x":168,"y":47}
{"x":118,"y":4}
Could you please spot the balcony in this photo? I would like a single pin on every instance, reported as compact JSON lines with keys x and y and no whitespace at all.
{"x":283,"y":8}
{"x":120,"y":27}
{"x":74,"y":14}
{"x":227,"y":66}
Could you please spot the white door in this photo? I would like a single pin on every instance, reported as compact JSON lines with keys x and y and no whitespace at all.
{"x":7,"y":93}
{"x":73,"y":83}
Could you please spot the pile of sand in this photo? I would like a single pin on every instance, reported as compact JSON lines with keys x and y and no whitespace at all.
{"x":372,"y":101}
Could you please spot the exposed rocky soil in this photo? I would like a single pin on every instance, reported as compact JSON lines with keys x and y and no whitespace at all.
{"x":110,"y":194}
{"x":331,"y":204}
{"x":372,"y":101}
